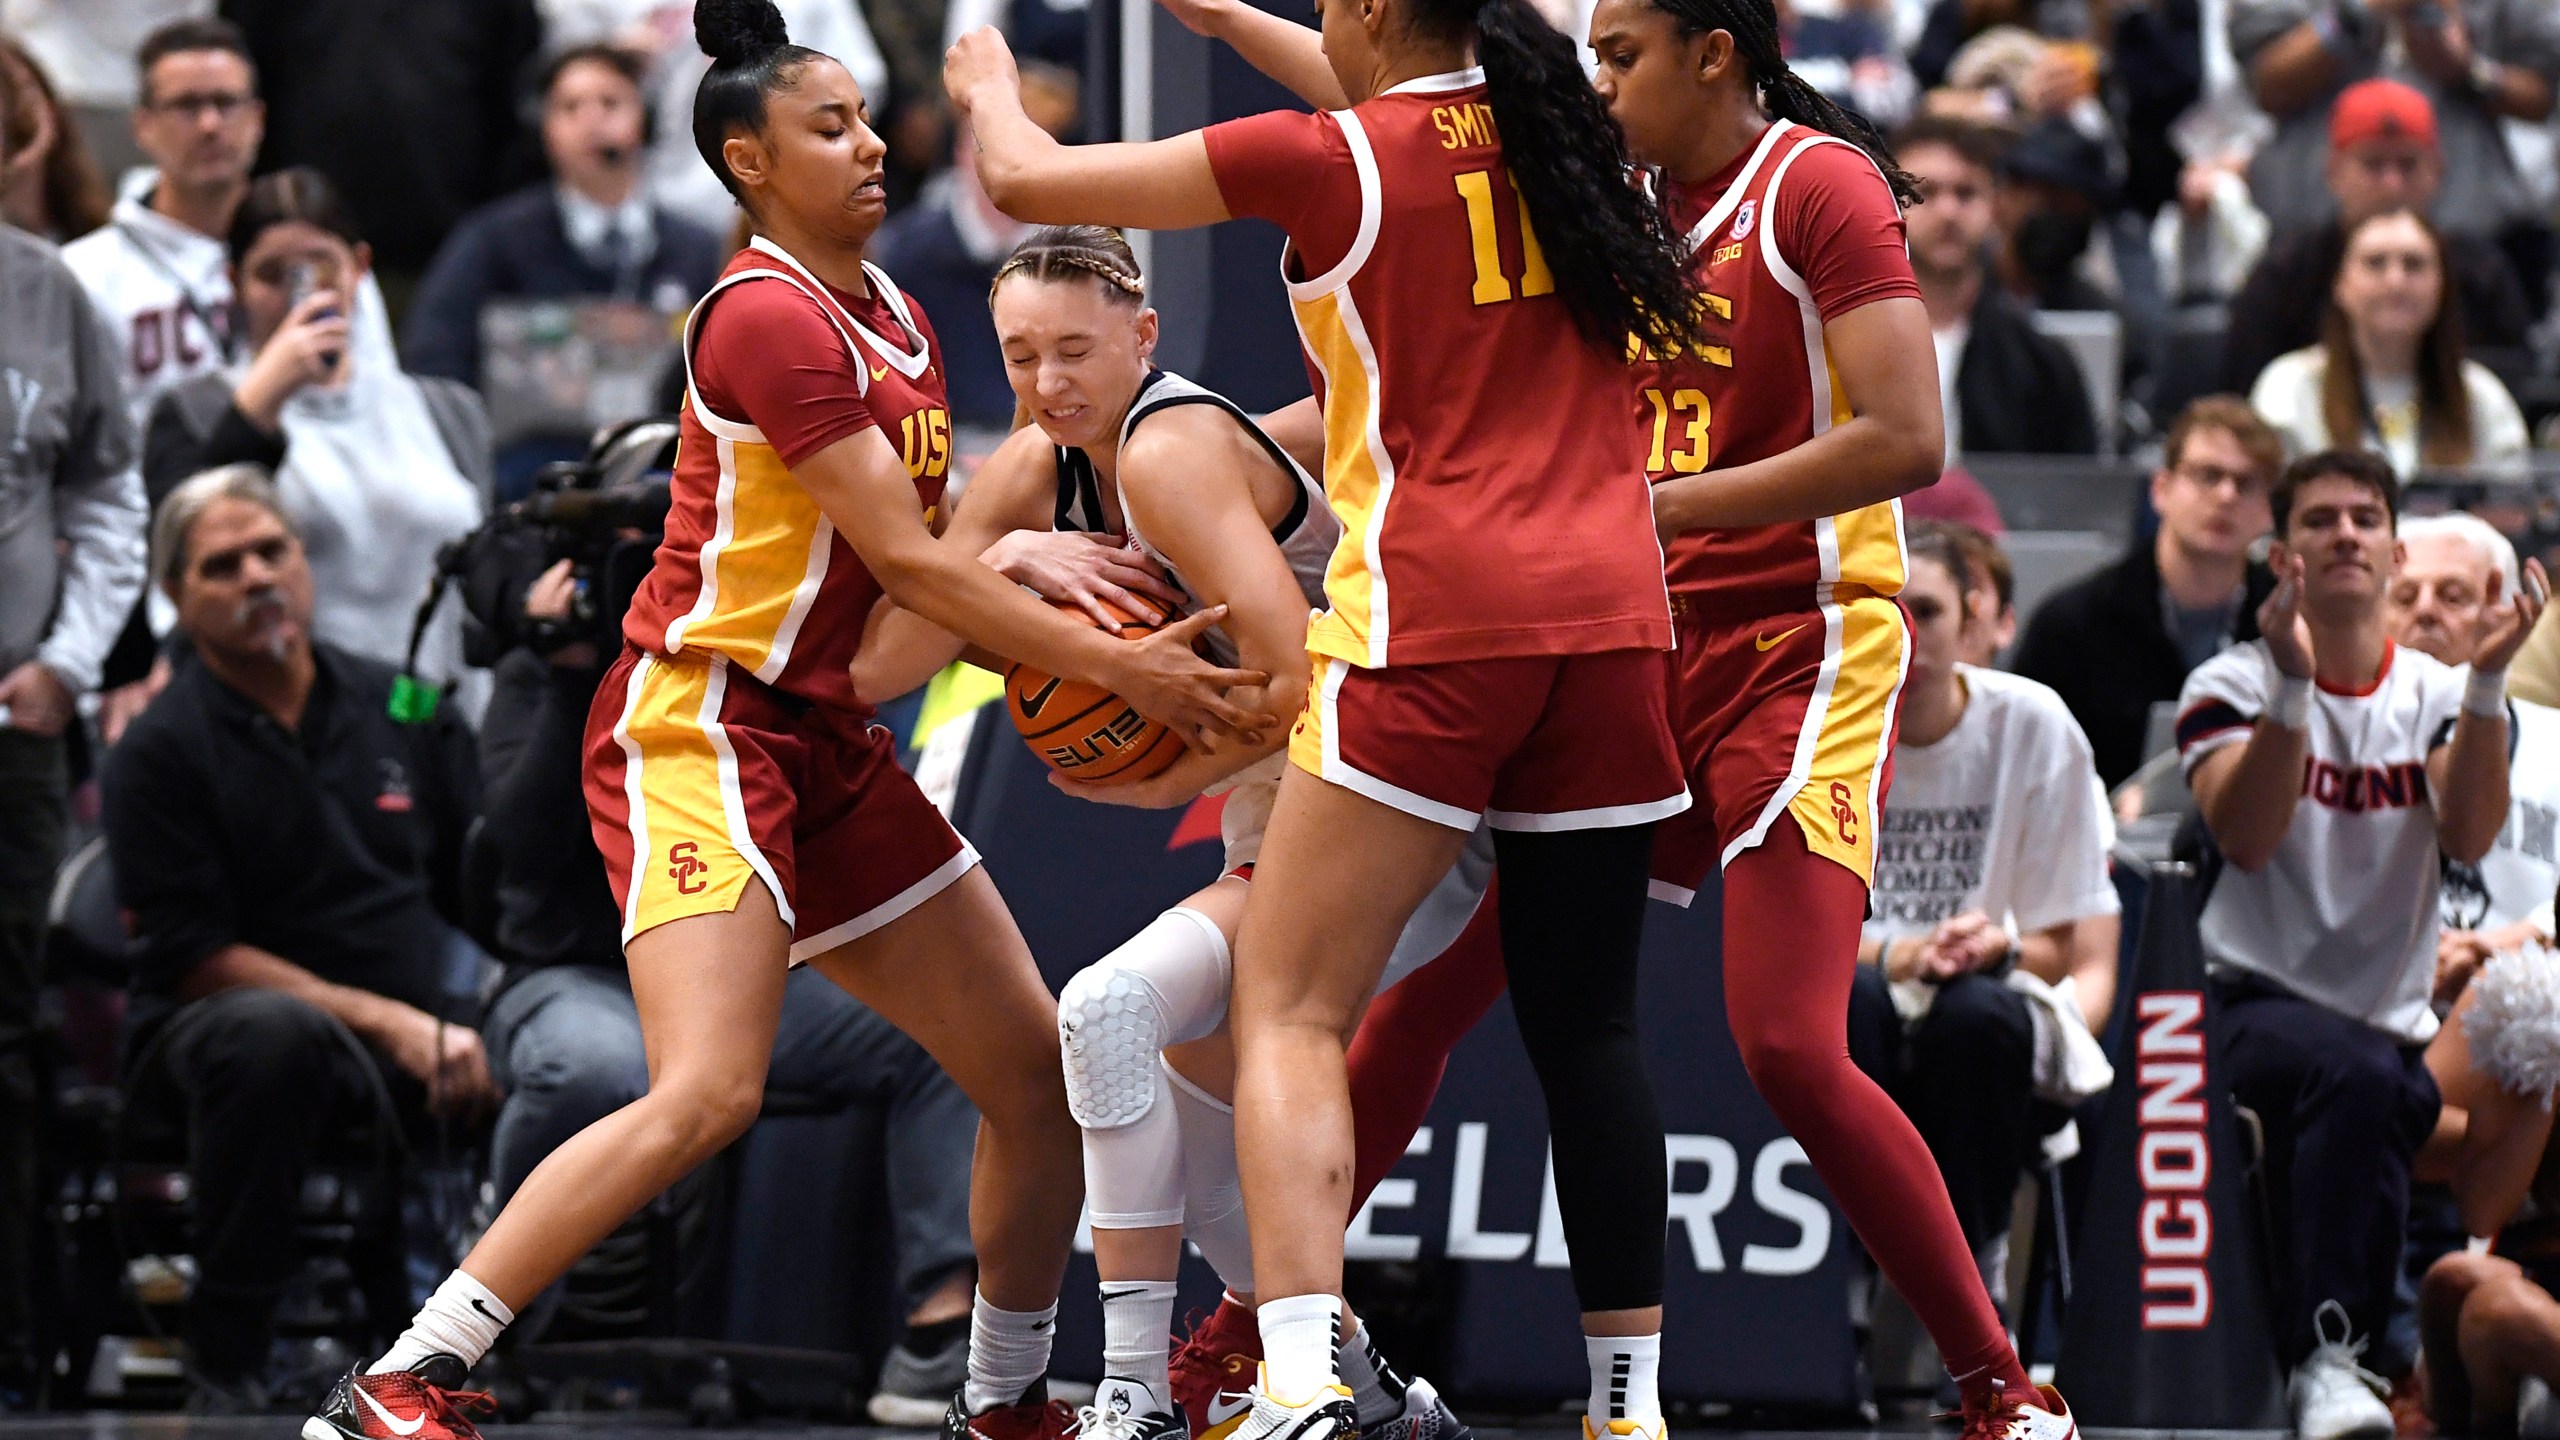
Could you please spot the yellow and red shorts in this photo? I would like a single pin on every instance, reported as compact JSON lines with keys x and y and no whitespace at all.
{"x":700,"y":776}
{"x":1531,"y":742}
{"x":1790,"y":713}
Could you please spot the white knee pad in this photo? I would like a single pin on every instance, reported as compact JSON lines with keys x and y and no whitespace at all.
{"x":1213,"y":1191}
{"x":1167,"y":984}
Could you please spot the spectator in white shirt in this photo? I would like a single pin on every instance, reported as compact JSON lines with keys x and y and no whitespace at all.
{"x":2330,"y":767}
{"x":2389,"y":374}
{"x":2455,"y":581}
{"x":1991,"y":856}
{"x":157,"y":268}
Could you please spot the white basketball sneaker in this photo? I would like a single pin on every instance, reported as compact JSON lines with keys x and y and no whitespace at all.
{"x":2334,"y":1396}
{"x":1328,"y":1414}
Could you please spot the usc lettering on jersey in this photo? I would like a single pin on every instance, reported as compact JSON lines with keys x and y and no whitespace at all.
{"x":1487,"y":509}
{"x":750,"y":568}
{"x":1797,"y":231}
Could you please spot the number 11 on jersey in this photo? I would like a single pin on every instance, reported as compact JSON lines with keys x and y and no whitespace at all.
{"x":1492,"y":286}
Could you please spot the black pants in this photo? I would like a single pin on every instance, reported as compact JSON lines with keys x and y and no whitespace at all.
{"x":33,"y":786}
{"x":1965,"y":1076}
{"x":2345,"y":1108}
{"x":264,"y":1085}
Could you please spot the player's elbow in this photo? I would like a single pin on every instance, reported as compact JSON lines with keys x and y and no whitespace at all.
{"x":1919,"y":452}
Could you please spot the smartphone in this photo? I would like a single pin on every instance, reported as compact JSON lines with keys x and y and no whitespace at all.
{"x":301,"y":282}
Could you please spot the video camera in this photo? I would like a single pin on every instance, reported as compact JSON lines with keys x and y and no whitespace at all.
{"x":604,"y":515}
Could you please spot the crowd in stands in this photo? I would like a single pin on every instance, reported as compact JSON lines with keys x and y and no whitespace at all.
{"x":274,"y":273}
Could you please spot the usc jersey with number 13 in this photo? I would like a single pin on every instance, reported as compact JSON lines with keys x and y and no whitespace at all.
{"x":1797,"y":231}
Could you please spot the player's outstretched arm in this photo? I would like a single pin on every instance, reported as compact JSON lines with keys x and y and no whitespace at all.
{"x":1285,"y":50}
{"x":1148,"y":185}
{"x":1187,"y":481}
{"x":1893,"y":443}
{"x":865,"y":492}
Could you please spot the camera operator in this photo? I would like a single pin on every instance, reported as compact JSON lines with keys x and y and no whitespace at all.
{"x":564,"y":1034}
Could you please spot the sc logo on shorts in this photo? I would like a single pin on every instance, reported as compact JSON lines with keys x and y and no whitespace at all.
{"x":685,"y":867}
{"x":1844,"y":812}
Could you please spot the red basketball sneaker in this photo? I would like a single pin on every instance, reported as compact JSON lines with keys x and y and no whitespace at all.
{"x":1214,"y":1370}
{"x":2037,"y":1414}
{"x":1033,"y":1417}
{"x":427,"y":1403}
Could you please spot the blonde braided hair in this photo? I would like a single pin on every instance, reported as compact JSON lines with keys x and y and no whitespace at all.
{"x":1055,"y":252}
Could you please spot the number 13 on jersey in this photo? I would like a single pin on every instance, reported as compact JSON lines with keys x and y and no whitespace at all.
{"x":1492,"y":286}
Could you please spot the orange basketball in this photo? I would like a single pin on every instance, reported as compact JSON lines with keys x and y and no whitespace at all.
{"x":1085,"y":732}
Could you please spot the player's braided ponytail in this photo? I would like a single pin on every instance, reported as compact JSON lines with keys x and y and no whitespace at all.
{"x":751,"y":57}
{"x":1753,"y":24}
{"x":1616,"y":265}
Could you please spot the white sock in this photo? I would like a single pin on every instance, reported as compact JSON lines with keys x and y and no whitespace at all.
{"x":1376,"y":1388}
{"x":1301,"y":1336}
{"x":1008,"y":1353}
{"x":1137,"y":1333}
{"x":1624,"y":1369}
{"x":462,"y":1319}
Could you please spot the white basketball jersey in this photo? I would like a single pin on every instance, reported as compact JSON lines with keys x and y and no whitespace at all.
{"x":1306,"y":535}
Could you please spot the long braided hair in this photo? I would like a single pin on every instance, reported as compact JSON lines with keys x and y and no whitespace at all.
{"x":1753,"y":24}
{"x":1617,"y":267}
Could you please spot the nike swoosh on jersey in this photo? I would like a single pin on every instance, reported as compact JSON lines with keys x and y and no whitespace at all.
{"x":1771,"y":642}
{"x":398,"y":1425}
{"x":879,"y":372}
{"x":1037,"y":700}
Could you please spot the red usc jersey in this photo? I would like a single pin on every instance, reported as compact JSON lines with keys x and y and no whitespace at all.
{"x":1488,"y":506}
{"x":1798,"y":231}
{"x":779,"y":369}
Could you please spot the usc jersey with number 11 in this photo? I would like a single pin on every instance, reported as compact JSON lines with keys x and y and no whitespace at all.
{"x":750,"y":569}
{"x":1490,"y":505}
{"x":1797,"y":231}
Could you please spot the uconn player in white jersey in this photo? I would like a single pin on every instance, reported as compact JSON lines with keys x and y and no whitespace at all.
{"x":1139,"y":488}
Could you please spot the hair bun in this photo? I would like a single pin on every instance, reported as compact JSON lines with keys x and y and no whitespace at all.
{"x":734,"y":32}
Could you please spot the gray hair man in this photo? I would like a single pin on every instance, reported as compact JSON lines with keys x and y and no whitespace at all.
{"x":2458,"y":574}
{"x":289,"y":846}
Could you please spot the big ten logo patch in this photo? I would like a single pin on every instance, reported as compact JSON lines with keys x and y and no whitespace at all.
{"x":685,"y":867}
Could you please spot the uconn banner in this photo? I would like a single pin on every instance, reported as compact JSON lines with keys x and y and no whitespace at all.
{"x":1757,"y":1258}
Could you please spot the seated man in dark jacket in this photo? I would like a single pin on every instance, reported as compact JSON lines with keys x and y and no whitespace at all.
{"x":2122,"y":640}
{"x":2383,"y":156}
{"x":2008,"y":389}
{"x":287,"y":848}
{"x":591,"y":231}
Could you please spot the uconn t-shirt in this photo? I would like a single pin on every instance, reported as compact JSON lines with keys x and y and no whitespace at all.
{"x":2345,"y":914}
{"x":2518,"y":875}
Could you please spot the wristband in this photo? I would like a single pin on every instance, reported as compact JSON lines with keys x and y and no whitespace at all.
{"x":2290,"y":705}
{"x":2483,"y":77}
{"x":2486,"y":695}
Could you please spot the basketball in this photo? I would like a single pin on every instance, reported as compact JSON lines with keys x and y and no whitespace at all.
{"x":1085,"y":732}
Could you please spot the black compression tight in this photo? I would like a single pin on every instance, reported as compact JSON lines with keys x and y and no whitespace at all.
{"x":1572,"y":912}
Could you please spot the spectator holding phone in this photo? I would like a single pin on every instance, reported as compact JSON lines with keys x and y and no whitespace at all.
{"x":377,"y":468}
